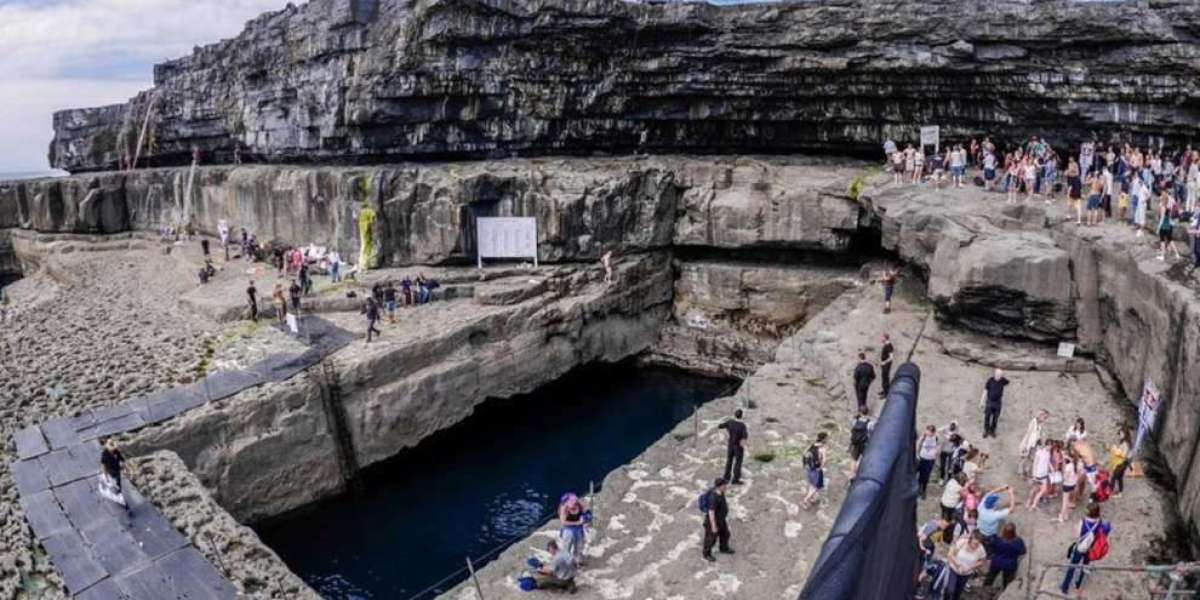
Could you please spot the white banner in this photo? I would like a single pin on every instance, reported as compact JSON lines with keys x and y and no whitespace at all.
{"x":1147,"y":413}
{"x":930,"y":136}
{"x":506,"y":237}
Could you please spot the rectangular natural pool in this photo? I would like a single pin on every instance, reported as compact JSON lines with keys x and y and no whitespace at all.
{"x":483,"y":484}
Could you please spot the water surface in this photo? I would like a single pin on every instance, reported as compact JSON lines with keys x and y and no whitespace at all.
{"x":474,"y":489}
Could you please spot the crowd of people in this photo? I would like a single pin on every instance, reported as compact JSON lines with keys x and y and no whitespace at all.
{"x":1146,"y":188}
{"x":972,"y":534}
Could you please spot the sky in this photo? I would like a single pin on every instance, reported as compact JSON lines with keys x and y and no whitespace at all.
{"x":57,"y":54}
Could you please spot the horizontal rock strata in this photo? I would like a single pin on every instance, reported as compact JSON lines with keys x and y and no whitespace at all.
{"x":379,"y":80}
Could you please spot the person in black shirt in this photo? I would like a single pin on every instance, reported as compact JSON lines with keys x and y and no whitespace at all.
{"x":389,"y":297}
{"x":993,"y":401}
{"x":885,"y":364}
{"x":252,"y":294}
{"x":372,"y":318}
{"x":864,"y":374}
{"x":736,"y":450}
{"x":716,"y":524}
{"x":294,"y":292}
{"x":305,"y":279}
{"x":112,"y":461}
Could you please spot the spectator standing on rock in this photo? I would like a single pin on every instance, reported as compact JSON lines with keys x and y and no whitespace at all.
{"x":252,"y":297}
{"x":372,"y":311}
{"x":1070,"y":478}
{"x":716,"y":520}
{"x":1033,"y":433}
{"x":223,"y":233}
{"x":889,"y":286}
{"x":952,"y":496}
{"x":1166,"y":229}
{"x":993,"y":509}
{"x":885,"y":364}
{"x":860,"y":434}
{"x":814,"y":463}
{"x":948,"y":434}
{"x":305,"y":279}
{"x":967,"y":558}
{"x":1005,"y":552}
{"x":1118,"y":460}
{"x":280,"y":303}
{"x":1195,"y":231}
{"x":864,"y":374}
{"x":294,"y":291}
{"x":389,"y":297}
{"x":993,"y":401}
{"x":1091,"y":528}
{"x":927,"y":454}
{"x":736,"y":447}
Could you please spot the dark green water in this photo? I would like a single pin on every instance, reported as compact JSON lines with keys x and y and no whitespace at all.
{"x":481,"y":485}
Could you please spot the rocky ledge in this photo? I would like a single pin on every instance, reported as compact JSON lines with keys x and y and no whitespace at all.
{"x":382,"y":80}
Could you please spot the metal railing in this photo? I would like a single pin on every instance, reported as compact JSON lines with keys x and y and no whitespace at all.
{"x":1169,"y":581}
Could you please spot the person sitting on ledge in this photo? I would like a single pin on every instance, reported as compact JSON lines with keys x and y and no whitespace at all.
{"x":559,"y":573}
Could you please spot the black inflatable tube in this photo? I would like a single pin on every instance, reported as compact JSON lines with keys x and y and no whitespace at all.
{"x":871,"y":550}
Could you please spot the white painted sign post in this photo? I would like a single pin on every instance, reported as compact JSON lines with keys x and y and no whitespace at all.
{"x":931,"y":136}
{"x":1066,"y":350}
{"x":506,"y":237}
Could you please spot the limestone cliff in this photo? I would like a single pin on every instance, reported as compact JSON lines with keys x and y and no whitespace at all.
{"x":379,"y":80}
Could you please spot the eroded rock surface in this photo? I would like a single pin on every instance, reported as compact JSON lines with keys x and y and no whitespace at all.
{"x":372,"y":80}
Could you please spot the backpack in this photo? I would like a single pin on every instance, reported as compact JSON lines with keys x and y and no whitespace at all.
{"x":859,"y":433}
{"x":1099,"y":547}
{"x":704,"y":502}
{"x":1084,"y":544}
{"x":1103,"y":487}
{"x":812,"y":457}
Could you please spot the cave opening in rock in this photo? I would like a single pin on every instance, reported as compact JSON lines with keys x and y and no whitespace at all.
{"x":485,"y":483}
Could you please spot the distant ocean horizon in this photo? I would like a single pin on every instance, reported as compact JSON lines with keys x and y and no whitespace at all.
{"x":15,"y":175}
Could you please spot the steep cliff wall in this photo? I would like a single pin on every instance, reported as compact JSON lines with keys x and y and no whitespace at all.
{"x":377,"y":80}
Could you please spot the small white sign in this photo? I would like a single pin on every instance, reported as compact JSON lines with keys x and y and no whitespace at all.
{"x":291,"y":321}
{"x":930,"y":135}
{"x":1066,"y":350}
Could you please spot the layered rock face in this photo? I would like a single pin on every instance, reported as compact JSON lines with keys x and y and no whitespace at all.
{"x":376,"y":80}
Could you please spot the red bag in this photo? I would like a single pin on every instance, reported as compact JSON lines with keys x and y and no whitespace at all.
{"x":1099,"y":547}
{"x":1103,"y":487}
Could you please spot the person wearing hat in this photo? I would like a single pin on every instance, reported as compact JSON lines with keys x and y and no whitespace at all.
{"x":716,"y":524}
{"x":993,"y":510}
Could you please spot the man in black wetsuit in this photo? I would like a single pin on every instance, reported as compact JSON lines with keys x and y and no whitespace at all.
{"x":864,"y":374}
{"x":716,"y":524}
{"x":295,"y":291}
{"x":736,"y":450}
{"x":885,"y":364}
{"x":252,"y":294}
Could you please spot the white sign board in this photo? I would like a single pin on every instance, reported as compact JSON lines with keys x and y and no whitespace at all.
{"x":930,"y":136}
{"x":292,"y":324}
{"x":506,"y":237}
{"x":1066,"y":350}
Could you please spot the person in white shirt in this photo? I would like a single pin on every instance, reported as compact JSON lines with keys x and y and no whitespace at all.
{"x":1041,"y":474}
{"x":1077,"y":432}
{"x":966,"y":559}
{"x":927,"y":454}
{"x":952,"y":496}
{"x":1033,"y":433}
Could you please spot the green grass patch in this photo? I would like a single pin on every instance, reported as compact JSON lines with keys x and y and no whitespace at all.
{"x":764,"y":457}
{"x":859,"y":183}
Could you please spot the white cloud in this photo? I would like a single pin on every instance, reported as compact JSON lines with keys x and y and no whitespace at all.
{"x":76,"y":53}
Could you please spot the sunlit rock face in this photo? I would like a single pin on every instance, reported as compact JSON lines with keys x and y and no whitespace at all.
{"x":383,"y":80}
